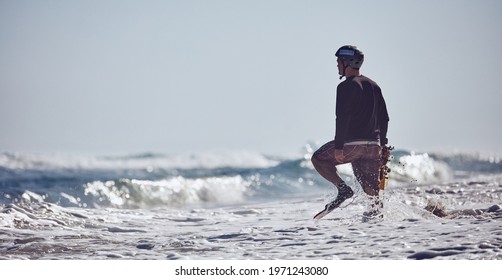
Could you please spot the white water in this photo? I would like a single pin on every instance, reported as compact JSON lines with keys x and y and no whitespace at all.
{"x":148,"y":207}
{"x":273,"y":230}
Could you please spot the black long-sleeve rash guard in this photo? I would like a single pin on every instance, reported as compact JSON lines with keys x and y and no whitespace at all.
{"x":361,"y":113}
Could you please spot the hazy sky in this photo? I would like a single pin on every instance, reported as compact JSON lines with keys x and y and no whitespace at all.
{"x":108,"y":77}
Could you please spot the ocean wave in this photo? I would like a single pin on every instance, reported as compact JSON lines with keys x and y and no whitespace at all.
{"x":154,"y":180}
{"x":418,"y":167}
{"x":471,"y":162}
{"x":147,"y":161}
{"x":173,"y":192}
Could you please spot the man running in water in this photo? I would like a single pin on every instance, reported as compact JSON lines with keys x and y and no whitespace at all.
{"x":361,"y":132}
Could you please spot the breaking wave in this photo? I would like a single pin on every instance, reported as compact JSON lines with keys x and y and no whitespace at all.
{"x":211,"y":179}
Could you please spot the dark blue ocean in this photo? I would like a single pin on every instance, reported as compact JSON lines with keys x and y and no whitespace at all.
{"x":156,"y":180}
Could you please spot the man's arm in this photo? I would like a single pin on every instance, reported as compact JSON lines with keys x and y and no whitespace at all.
{"x":342,"y":115}
{"x":383,"y":121}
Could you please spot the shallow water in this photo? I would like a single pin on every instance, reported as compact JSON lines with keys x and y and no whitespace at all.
{"x":272,"y":230}
{"x":266,"y":213}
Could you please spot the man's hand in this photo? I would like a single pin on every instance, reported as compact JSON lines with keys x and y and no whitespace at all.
{"x":386,"y":154}
{"x":339,"y":155}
